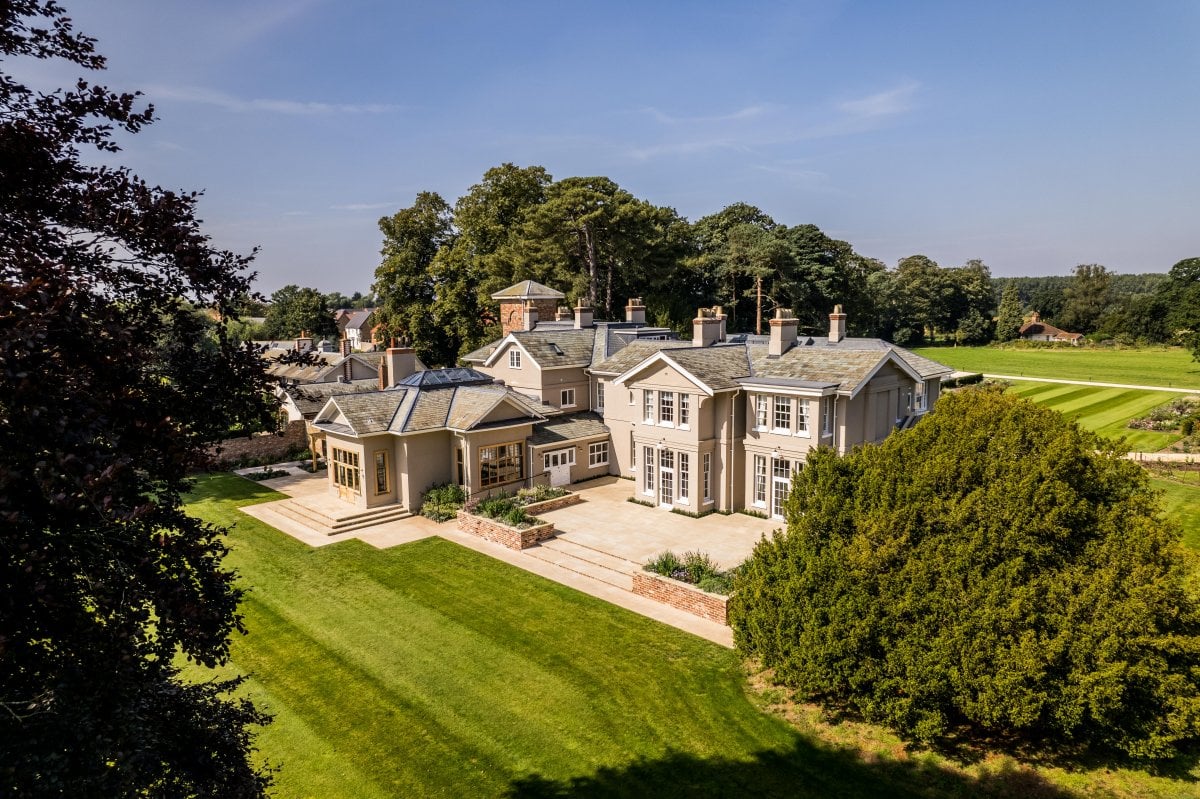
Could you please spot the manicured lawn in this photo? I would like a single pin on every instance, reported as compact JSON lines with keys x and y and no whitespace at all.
{"x":1106,"y":411}
{"x":1151,"y":366}
{"x":432,"y":670}
{"x":1181,"y":502}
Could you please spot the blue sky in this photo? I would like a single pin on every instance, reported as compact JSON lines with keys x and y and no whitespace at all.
{"x":1032,"y":135}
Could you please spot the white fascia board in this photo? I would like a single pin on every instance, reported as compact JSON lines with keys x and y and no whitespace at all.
{"x":892,"y":357}
{"x":662,"y":357}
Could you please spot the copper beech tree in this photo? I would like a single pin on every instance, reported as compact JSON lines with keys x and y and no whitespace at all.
{"x":111,"y":389}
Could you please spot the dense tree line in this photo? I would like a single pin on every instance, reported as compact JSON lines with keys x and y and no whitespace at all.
{"x":598,"y":243}
{"x":996,"y":569}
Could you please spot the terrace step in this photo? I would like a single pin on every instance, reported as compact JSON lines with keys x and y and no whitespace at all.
{"x":588,"y":566}
{"x":328,"y":525}
{"x":593,"y":555}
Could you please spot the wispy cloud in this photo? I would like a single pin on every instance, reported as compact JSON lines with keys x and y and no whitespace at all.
{"x":194,"y":94}
{"x":364,"y":206}
{"x":680,"y":148}
{"x":888,"y":103}
{"x":749,"y":112}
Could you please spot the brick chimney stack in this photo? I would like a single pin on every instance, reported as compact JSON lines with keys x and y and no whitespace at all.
{"x":837,"y":325}
{"x":783,"y":332}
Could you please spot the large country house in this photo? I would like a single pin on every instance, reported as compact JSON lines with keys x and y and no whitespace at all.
{"x":719,"y":422}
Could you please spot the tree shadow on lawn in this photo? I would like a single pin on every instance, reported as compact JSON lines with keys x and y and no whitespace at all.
{"x":806,"y":770}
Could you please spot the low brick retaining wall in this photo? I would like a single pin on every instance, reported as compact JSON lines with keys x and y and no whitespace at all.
{"x":534,"y":508}
{"x":681,"y":596}
{"x":500,"y":533}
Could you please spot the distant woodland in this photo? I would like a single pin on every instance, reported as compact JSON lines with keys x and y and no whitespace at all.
{"x":599,"y":244}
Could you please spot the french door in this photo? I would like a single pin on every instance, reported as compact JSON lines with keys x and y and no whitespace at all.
{"x":666,"y":478}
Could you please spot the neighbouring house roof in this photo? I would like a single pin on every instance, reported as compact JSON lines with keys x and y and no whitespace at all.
{"x":311,"y":397}
{"x":528,"y":290}
{"x":1036,"y":327}
{"x":360,"y":319}
{"x":322,"y":363}
{"x":568,"y":427}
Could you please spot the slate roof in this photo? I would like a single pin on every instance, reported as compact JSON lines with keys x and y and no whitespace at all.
{"x":569,"y":427}
{"x":812,"y":363}
{"x":300,"y":372}
{"x":311,"y":397}
{"x":634,"y":353}
{"x":528,"y":290}
{"x":417,"y":410}
{"x":558,"y":347}
{"x":360,"y":319}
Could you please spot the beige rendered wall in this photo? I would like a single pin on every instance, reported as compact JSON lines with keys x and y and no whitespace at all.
{"x":555,"y":380}
{"x":527,"y":379}
{"x":427,"y":459}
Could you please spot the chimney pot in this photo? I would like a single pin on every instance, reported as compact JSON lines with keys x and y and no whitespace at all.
{"x":783,"y":332}
{"x":583,"y":315}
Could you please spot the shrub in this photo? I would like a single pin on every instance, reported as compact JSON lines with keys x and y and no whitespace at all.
{"x":515,"y":517}
{"x":697,"y":565}
{"x":716,"y":584}
{"x":505,"y":509}
{"x":997,"y":570}
{"x":665,"y":564}
{"x":442,"y":502}
{"x":527,"y":496}
{"x":266,"y":474}
{"x":1189,"y":424}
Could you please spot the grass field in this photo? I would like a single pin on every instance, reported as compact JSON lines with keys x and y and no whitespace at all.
{"x":432,"y":670}
{"x":1181,"y":502}
{"x":1172,"y":367}
{"x":1103,"y":410}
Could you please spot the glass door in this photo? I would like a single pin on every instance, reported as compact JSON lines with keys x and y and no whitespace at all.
{"x":781,"y":484}
{"x":666,"y":478}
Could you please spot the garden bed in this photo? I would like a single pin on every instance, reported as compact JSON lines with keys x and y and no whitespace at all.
{"x":498,"y":532}
{"x":681,"y":596}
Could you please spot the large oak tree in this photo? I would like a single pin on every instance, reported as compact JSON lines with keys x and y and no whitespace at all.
{"x":110,"y":392}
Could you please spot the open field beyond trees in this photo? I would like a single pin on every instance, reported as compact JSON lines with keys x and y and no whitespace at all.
{"x":432,"y":670}
{"x":1171,"y":367}
{"x":1106,"y":411}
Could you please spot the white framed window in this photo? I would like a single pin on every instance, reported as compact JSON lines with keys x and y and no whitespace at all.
{"x":666,"y":407}
{"x":648,"y":462}
{"x":707,"y":477}
{"x":920,"y":397}
{"x":760,"y":481}
{"x":514,"y":359}
{"x":685,"y":477}
{"x":600,"y":396}
{"x":648,"y":405}
{"x":566,"y":398}
{"x":760,"y":412}
{"x":631,"y":396}
{"x":598,"y":454}
{"x":801,"y":417}
{"x":632,"y":453}
{"x":827,"y":415}
{"x":783,"y":415}
{"x":685,"y":410}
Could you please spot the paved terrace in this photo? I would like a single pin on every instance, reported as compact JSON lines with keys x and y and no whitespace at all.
{"x":600,"y":543}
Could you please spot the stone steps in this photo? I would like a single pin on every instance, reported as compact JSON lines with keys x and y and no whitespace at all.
{"x":329,"y":525}
{"x":584,"y":560}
